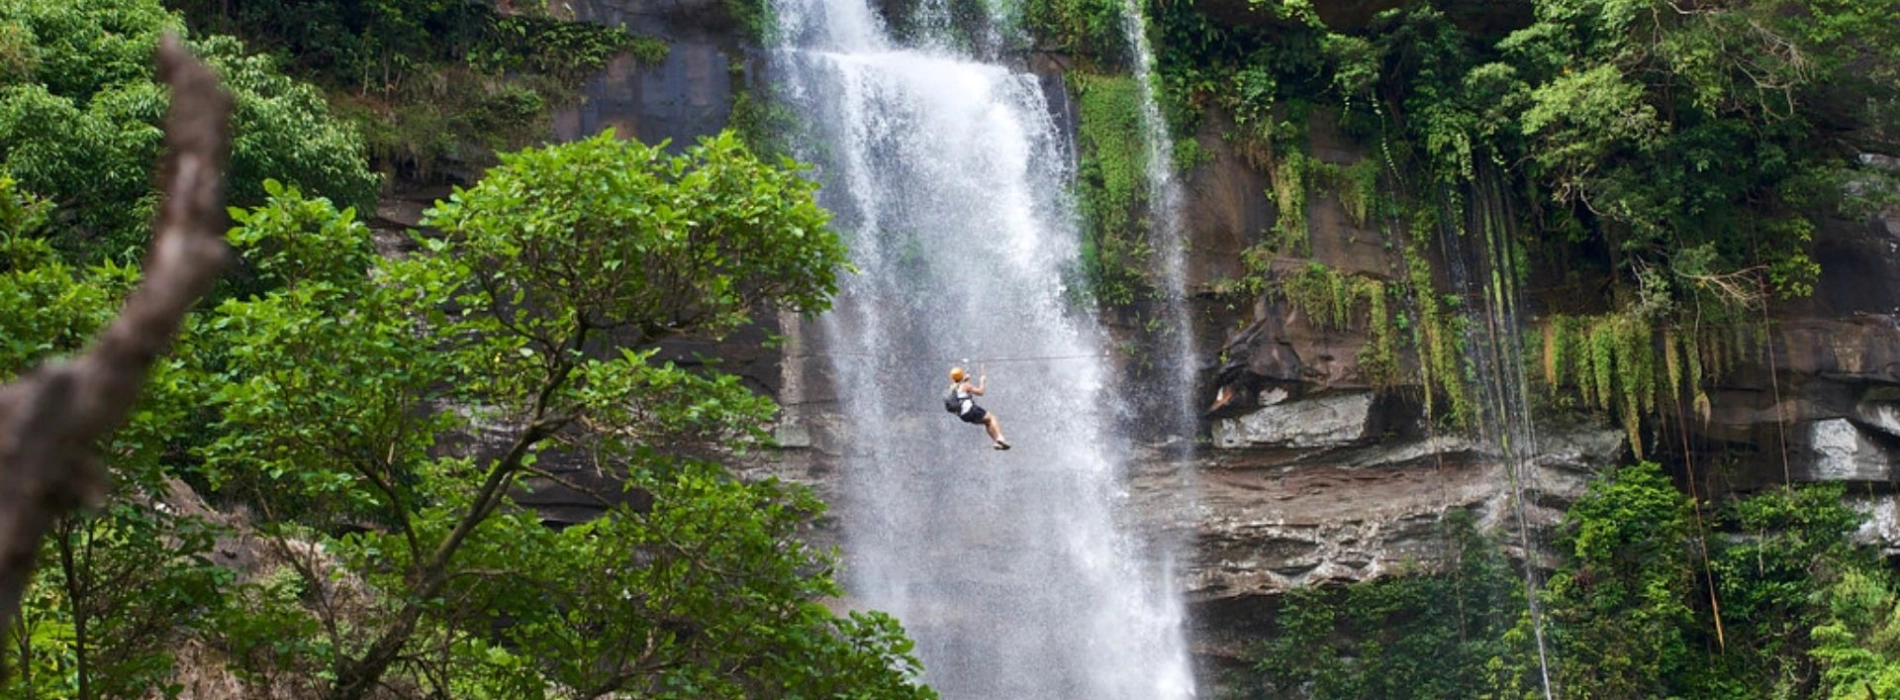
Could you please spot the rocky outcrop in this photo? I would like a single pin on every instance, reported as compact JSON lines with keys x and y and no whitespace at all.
{"x":684,"y":96}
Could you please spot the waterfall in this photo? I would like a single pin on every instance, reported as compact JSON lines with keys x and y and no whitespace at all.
{"x":1164,"y":206}
{"x":1021,"y":573}
{"x":1495,"y":341}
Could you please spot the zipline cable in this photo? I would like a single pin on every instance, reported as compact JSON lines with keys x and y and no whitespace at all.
{"x":920,"y":360}
{"x":940,"y":360}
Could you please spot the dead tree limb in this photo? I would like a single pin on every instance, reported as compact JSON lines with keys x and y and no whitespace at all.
{"x":52,"y":417}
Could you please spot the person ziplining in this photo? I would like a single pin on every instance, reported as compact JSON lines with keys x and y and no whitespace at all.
{"x":961,"y":400}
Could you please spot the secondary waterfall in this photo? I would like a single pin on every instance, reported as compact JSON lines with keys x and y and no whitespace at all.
{"x":1020,"y":574}
{"x":1165,"y":222}
{"x":1487,"y":272}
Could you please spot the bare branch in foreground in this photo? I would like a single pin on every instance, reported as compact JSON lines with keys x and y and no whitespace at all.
{"x":51,"y":417}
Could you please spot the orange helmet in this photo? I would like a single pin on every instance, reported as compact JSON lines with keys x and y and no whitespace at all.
{"x":956,"y":374}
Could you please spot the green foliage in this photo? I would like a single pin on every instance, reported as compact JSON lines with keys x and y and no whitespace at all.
{"x":1859,"y":645}
{"x":1619,"y":610}
{"x":1270,"y":79}
{"x":131,"y":576}
{"x":460,"y":116}
{"x":102,"y":616}
{"x":568,"y":51}
{"x":22,"y":214}
{"x":1332,"y":300}
{"x":1730,"y":154}
{"x":294,"y":239}
{"x":1423,"y":323}
{"x":68,"y":309}
{"x":1676,"y":158}
{"x":82,"y":129}
{"x":1791,"y":564}
{"x":116,"y":586}
{"x":754,"y":18}
{"x":1621,"y":363}
{"x":1358,"y":188}
{"x":1438,"y":336}
{"x":1113,"y":183}
{"x":699,"y":552}
{"x":431,"y":81}
{"x":331,"y":420}
{"x":1632,"y":613}
{"x":1090,"y":31}
{"x":273,"y":639}
{"x":373,"y":43}
{"x":1612,"y":362}
{"x":764,"y":124}
{"x":39,"y":659}
{"x":1291,"y":175}
{"x":1416,"y":634}
{"x":640,"y":226}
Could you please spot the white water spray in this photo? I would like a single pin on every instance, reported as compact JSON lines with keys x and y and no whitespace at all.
{"x":1019,"y":573}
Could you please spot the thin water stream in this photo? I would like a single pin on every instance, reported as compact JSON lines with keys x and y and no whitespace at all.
{"x":1166,"y":236}
{"x":1495,"y":340}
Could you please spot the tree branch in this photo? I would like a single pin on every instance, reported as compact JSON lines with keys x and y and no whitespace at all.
{"x":51,"y":417}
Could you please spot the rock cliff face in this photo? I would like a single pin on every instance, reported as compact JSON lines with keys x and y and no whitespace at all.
{"x":1309,"y":474}
{"x":684,"y":96}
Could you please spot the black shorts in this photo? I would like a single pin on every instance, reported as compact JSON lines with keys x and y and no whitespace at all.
{"x":975,"y":415}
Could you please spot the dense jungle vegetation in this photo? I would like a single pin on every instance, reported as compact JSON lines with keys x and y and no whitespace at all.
{"x":1666,"y":164}
{"x":327,"y":401}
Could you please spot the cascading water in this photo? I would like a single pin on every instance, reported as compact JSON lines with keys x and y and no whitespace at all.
{"x":1164,"y":205}
{"x":1018,"y":573}
{"x":1496,"y":341}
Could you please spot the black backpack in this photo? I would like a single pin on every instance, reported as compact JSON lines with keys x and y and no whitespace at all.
{"x":950,"y":401}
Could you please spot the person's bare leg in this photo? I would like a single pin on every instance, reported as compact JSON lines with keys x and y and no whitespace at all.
{"x":996,"y":431}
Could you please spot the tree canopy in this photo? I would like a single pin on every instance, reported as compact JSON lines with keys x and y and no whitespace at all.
{"x":1681,"y":145}
{"x":79,"y":121}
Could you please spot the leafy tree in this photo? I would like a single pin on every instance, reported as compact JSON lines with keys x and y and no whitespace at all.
{"x":1859,"y":644}
{"x":706,"y":585}
{"x":349,"y":397}
{"x":1620,"y":607}
{"x":1789,"y":555}
{"x":339,"y":397}
{"x":79,"y":114}
{"x":1724,"y":143}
